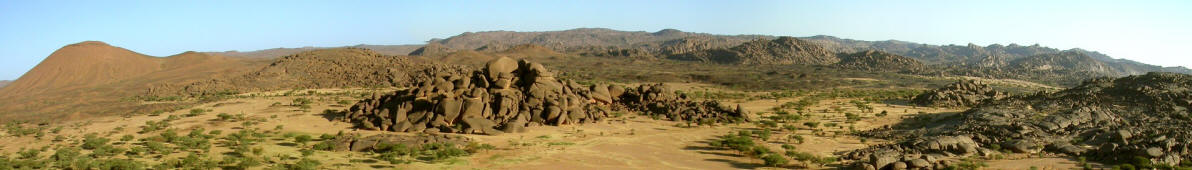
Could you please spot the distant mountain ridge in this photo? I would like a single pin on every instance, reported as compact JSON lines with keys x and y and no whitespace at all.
{"x":4,"y":83}
{"x":281,"y":52}
{"x":670,"y":42}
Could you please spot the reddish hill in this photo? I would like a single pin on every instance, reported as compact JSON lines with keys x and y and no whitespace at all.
{"x":80,"y":65}
{"x":94,"y":78}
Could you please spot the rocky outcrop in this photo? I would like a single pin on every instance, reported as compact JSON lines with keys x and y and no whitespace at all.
{"x":506,"y":96}
{"x":783,"y":50}
{"x":878,"y":61}
{"x":960,"y":94}
{"x":1069,"y":61}
{"x":657,"y":99}
{"x":1125,"y":119}
{"x":509,"y":95}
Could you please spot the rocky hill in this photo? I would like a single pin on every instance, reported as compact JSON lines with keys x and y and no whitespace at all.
{"x":4,"y":83}
{"x":783,"y":50}
{"x":872,"y":60}
{"x":1127,"y":119}
{"x":1063,"y":61}
{"x":337,"y":67}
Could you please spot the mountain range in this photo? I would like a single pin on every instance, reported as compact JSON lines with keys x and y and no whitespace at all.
{"x":102,"y":78}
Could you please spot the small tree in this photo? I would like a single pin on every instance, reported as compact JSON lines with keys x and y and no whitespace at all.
{"x":302,"y":139}
{"x":774,"y":160}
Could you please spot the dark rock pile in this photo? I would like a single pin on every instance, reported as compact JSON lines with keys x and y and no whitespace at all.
{"x":963,"y":93}
{"x":509,"y":95}
{"x":657,"y":99}
{"x":1121,"y":120}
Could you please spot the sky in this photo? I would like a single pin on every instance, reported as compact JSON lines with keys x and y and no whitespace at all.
{"x":1153,"y":32}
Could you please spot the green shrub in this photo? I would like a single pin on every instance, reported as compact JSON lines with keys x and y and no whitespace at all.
{"x":151,"y":126}
{"x":195,"y":112}
{"x":91,"y":141}
{"x":764,"y":134}
{"x":158,"y":147}
{"x":306,"y":152}
{"x":304,"y":164}
{"x":442,"y":151}
{"x":774,"y":160}
{"x":225,"y":117}
{"x":302,"y":139}
{"x":107,"y":151}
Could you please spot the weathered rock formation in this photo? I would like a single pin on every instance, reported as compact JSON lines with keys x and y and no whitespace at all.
{"x":878,"y":61}
{"x":1126,"y":119}
{"x":784,"y":50}
{"x":963,"y":93}
{"x":657,"y":99}
{"x":509,"y":95}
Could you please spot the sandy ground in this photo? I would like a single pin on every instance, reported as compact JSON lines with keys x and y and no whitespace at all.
{"x":630,"y":142}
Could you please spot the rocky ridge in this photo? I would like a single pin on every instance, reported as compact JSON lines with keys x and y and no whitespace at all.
{"x":784,"y":50}
{"x":872,"y":60}
{"x":964,"y":93}
{"x":1137,"y":119}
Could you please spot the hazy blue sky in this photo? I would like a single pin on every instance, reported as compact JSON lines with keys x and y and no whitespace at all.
{"x":1156,"y":32}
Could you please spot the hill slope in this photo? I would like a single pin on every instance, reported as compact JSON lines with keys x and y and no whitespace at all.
{"x":81,"y":65}
{"x":93,"y":78}
{"x":325,"y":68}
{"x":878,"y":61}
{"x":784,"y":50}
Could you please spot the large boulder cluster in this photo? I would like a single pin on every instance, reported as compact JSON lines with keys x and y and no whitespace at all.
{"x":658,"y":99}
{"x":509,"y":95}
{"x":506,"y":96}
{"x":960,"y":94}
{"x":1127,"y":119}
